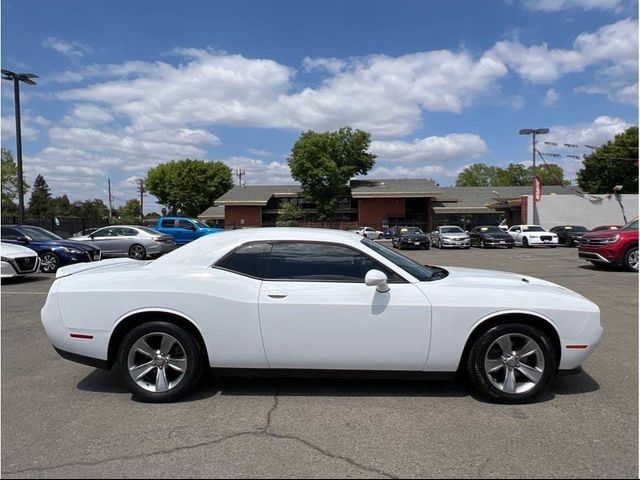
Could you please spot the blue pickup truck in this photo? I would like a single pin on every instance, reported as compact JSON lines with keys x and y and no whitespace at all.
{"x":184,"y":229}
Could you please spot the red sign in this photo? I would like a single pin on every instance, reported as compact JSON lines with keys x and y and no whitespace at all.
{"x":538,"y":190}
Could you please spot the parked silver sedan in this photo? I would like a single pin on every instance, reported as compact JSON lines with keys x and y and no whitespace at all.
{"x":129,"y":240}
{"x":450,"y":236}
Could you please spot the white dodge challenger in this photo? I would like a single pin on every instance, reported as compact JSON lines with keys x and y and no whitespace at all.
{"x":289,"y":301}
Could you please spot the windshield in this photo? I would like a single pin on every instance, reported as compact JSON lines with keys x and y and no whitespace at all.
{"x":491,"y":230}
{"x":421,"y":272}
{"x":532,"y":228}
{"x":37,"y":233}
{"x":149,"y":230}
{"x":633,"y":225}
{"x":411,"y":230}
{"x":451,"y":230}
{"x":200,"y":223}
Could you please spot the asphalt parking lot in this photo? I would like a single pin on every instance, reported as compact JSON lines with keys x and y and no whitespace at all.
{"x":61,"y":419}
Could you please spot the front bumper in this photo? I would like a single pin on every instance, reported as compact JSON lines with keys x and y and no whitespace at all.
{"x":18,"y":267}
{"x":536,"y":242}
{"x":496,"y":242}
{"x":451,"y":243}
{"x":600,"y":255}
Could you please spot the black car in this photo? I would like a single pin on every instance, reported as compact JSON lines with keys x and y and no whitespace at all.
{"x":569,"y":235}
{"x":410,"y":237}
{"x":490,"y":236}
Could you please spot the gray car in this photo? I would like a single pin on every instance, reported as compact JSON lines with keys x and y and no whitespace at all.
{"x":450,"y":236}
{"x":129,"y":240}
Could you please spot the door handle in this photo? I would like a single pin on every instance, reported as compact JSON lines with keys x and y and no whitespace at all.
{"x":277,"y":294}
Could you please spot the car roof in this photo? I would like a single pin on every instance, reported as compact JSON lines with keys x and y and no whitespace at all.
{"x":200,"y":250}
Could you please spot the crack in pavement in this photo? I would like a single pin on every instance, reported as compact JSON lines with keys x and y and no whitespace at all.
{"x":266,"y":431}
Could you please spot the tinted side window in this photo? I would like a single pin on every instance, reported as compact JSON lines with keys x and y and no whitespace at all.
{"x":9,"y":233}
{"x":248,"y":260}
{"x":168,"y":223}
{"x":185,"y":224}
{"x":127,"y":232}
{"x":319,"y":262}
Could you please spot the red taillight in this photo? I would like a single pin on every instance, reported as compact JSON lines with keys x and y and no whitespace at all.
{"x":82,"y":337}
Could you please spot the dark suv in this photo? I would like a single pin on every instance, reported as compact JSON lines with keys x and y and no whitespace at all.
{"x":410,"y":237}
{"x":612,"y":247}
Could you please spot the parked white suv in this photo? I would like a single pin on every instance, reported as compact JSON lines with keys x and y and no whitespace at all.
{"x":532,"y":236}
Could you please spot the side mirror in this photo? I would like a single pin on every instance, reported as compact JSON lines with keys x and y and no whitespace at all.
{"x":375,"y":278}
{"x":23,"y":239}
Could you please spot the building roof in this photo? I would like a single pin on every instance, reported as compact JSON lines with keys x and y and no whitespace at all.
{"x":257,"y":195}
{"x":404,"y":188}
{"x":212,"y":213}
{"x":476,"y":199}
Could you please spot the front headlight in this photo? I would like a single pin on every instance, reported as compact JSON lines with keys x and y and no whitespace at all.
{"x":611,"y":240}
{"x":72,"y":251}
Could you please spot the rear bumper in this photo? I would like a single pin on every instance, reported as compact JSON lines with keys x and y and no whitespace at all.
{"x":90,"y":362}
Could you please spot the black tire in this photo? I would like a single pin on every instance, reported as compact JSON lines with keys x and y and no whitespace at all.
{"x":475,"y":368}
{"x":627,"y":261}
{"x":525,"y":242}
{"x":380,"y":237}
{"x":137,"y":252}
{"x":49,"y":262}
{"x":193,"y":354}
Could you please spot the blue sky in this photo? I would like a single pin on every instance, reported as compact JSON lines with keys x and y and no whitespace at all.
{"x":439,"y":84}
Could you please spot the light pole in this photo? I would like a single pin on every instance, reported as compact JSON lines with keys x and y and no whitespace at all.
{"x":534,"y":132}
{"x":17,"y":78}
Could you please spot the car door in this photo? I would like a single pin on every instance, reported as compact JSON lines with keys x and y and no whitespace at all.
{"x":515,"y":233}
{"x":186,"y":230}
{"x":317,"y":313}
{"x":103,"y":239}
{"x":123,"y":239}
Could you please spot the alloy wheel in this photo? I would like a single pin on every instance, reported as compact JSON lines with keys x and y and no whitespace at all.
{"x":49,"y":263}
{"x":157,"y":362}
{"x":514,"y":363}
{"x":634,"y":260}
{"x":137,"y":252}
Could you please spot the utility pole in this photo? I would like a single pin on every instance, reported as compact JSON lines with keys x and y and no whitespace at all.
{"x":17,"y":78}
{"x":240,"y":173}
{"x":534,"y":132}
{"x":142,"y":190}
{"x":110,"y":198}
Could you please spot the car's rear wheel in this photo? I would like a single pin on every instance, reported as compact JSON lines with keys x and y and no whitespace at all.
{"x":49,"y":263}
{"x":631,"y":259}
{"x":137,"y":252}
{"x":160,"y":362}
{"x":511,"y":363}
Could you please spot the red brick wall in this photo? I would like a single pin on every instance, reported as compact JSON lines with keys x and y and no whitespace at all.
{"x":233,"y":216}
{"x":372,"y":211}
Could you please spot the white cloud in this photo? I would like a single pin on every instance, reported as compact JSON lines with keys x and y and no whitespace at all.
{"x":259,"y":172}
{"x":72,"y":50}
{"x":551,"y":97}
{"x":29,"y":132}
{"x":558,"y":5}
{"x":434,"y":149}
{"x":87,"y":114}
{"x":259,"y":153}
{"x":331,"y":65}
{"x":600,"y":131}
{"x":411,"y":172}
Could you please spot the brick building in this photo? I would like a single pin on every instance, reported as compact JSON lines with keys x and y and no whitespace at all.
{"x":381,"y":203}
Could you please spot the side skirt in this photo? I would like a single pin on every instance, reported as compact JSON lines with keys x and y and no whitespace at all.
{"x":331,"y":374}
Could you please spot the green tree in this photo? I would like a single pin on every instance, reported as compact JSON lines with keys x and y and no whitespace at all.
{"x":61,"y":206}
{"x":9,"y":186}
{"x":614,"y":163}
{"x":515,"y":174}
{"x":130,"y":212}
{"x":551,"y":174}
{"x":289,"y":215}
{"x":325,"y":162}
{"x":90,"y":209}
{"x":478,"y":175}
{"x":40,"y":203}
{"x":189,"y":186}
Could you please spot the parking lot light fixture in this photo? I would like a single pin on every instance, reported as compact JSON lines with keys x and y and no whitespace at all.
{"x":533,"y":132}
{"x":16,"y":78}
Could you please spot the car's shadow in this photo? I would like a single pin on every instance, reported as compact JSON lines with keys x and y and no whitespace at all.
{"x":103,"y":381}
{"x":27,"y":279}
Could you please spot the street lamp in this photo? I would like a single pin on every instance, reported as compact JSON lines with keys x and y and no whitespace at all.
{"x":17,"y":78}
{"x":534,"y":132}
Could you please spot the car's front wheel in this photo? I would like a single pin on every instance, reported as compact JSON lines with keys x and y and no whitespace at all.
{"x":160,"y":362}
{"x":631,"y":259}
{"x":511,"y":363}
{"x":49,"y":263}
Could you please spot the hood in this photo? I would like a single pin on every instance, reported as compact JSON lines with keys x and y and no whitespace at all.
{"x":112,"y":265}
{"x":602,"y":234}
{"x":73,"y":244}
{"x":472,"y":277}
{"x":501,"y":236}
{"x":12,"y":250}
